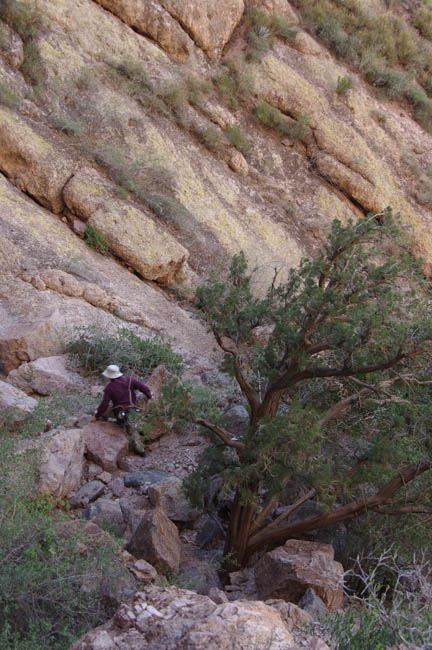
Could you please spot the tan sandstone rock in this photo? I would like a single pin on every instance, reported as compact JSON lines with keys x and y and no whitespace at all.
{"x":238,"y":163}
{"x":135,"y":237}
{"x":11,"y":46}
{"x":210,"y":24}
{"x":281,"y":8}
{"x":177,"y":619}
{"x":289,"y":570}
{"x":15,"y":399}
{"x":105,"y":444}
{"x":151,"y":19}
{"x":156,"y":540}
{"x":33,"y":160}
{"x":132,"y":233}
{"x":61,"y":469}
{"x":45,"y":375}
{"x":61,"y":282}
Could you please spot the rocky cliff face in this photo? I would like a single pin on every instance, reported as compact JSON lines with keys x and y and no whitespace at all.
{"x":151,"y":126}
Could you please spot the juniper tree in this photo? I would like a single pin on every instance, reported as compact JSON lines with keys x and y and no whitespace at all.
{"x":343,"y":366}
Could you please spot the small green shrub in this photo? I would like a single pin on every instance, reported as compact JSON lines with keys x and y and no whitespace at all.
{"x":343,"y":85}
{"x":211,"y":138}
{"x":8,"y":97}
{"x":273,"y":118}
{"x":260,"y":42}
{"x":275,"y":24}
{"x":423,"y":21}
{"x":24,"y":18}
{"x":197,"y":89}
{"x":238,"y":139}
{"x":134,"y":71}
{"x":270,"y":117}
{"x":226,"y":86}
{"x":96,"y":240}
{"x":67,"y":124}
{"x":93,"y":350}
{"x":388,"y":81}
{"x":32,"y":68}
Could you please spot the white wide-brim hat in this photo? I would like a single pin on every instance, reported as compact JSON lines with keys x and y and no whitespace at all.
{"x":112,"y":372}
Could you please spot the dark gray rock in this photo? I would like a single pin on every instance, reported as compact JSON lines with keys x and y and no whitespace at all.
{"x":216,"y":379}
{"x":209,"y":533}
{"x":107,"y":514}
{"x":86,"y":494}
{"x":313,"y":605}
{"x":133,"y":508}
{"x":117,"y":486}
{"x":237,"y":419}
{"x":199,"y":576}
{"x":144,"y":477}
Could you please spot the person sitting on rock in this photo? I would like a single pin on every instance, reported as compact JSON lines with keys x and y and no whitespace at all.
{"x":121,"y":391}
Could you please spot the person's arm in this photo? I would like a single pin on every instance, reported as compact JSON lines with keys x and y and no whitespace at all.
{"x":139,"y":385}
{"x":104,"y":404}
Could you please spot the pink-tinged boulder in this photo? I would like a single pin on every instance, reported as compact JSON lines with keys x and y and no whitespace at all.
{"x":157,"y":541}
{"x":45,"y":375}
{"x":16,"y":400}
{"x":61,"y":469}
{"x":105,"y":444}
{"x":288,"y":571}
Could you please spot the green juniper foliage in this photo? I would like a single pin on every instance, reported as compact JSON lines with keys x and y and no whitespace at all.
{"x":344,"y":366}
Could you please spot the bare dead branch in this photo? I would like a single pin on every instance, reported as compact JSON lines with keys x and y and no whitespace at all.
{"x":223,"y":435}
{"x":295,"y":506}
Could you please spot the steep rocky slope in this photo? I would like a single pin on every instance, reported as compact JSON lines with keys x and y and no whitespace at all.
{"x":139,"y":122}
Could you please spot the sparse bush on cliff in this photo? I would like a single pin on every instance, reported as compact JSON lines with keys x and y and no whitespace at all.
{"x":27,"y":20}
{"x":272,"y":118}
{"x":237,"y":138}
{"x":96,"y":240}
{"x":379,"y":45}
{"x":343,"y":85}
{"x":211,"y":137}
{"x":8,"y":97}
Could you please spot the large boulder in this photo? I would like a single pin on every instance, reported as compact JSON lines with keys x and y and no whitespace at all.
{"x":168,"y":494}
{"x":177,"y":619}
{"x":288,"y":571}
{"x":169,"y":22}
{"x":210,"y":24}
{"x":87,"y":493}
{"x":107,"y":513}
{"x":35,"y":162}
{"x":61,"y":468}
{"x":131,"y":233}
{"x":156,"y":540}
{"x":45,"y":375}
{"x":105,"y":444}
{"x":16,"y":400}
{"x":149,"y":18}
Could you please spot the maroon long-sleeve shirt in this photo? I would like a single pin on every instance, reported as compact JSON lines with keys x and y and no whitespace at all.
{"x":122,"y":393}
